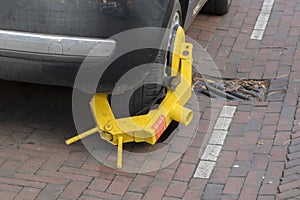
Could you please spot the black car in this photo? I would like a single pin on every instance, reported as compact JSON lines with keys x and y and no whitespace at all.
{"x":46,"y":41}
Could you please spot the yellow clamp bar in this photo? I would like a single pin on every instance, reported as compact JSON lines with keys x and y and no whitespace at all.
{"x":120,"y":152}
{"x":81,"y":136}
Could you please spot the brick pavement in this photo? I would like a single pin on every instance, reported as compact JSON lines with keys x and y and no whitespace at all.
{"x":36,"y":164}
{"x":261,"y":149}
{"x":259,"y":159}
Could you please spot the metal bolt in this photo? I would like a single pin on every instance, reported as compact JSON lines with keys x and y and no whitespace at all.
{"x":108,"y":127}
{"x":186,"y":53}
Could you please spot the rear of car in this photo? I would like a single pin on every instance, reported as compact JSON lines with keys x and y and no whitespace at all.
{"x":46,"y":41}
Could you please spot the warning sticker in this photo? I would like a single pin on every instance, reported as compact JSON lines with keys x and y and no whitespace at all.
{"x":159,"y":126}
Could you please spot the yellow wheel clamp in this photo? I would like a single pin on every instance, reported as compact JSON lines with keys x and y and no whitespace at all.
{"x":147,"y":128}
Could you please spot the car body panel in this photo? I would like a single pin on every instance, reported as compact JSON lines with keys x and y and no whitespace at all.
{"x":39,"y":48}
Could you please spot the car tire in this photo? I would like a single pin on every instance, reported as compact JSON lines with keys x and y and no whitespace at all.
{"x":145,"y":97}
{"x":217,"y":7}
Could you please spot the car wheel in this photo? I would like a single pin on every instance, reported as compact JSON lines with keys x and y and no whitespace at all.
{"x":217,"y":7}
{"x":148,"y":95}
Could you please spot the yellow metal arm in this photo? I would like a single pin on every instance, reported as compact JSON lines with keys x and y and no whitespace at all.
{"x":81,"y":136}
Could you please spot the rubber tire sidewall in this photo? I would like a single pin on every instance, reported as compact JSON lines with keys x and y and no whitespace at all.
{"x":217,"y":7}
{"x":147,"y":94}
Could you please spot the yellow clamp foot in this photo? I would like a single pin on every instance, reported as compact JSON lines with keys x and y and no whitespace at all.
{"x":81,"y":136}
{"x":120,"y":152}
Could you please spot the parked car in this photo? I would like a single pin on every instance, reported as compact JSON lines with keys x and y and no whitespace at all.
{"x":46,"y":41}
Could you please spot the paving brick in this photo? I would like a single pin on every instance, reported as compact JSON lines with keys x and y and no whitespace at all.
{"x":226,"y":159}
{"x":31,"y":166}
{"x":237,"y":129}
{"x":289,"y":194}
{"x":254,"y":178}
{"x":292,"y":156}
{"x":278,"y":153}
{"x":172,"y":161}
{"x":184,"y":172}
{"x":296,"y":135}
{"x":233,"y":185}
{"x":23,"y":154}
{"x":54,"y":162}
{"x":82,"y":171}
{"x":244,"y":155}
{"x":241,"y":117}
{"x":228,"y":41}
{"x":42,"y":179}
{"x":260,"y":161}
{"x":73,"y":190}
{"x":249,"y":192}
{"x":254,"y":125}
{"x":294,"y":148}
{"x":88,"y":198}
{"x":101,"y":195}
{"x":99,"y":184}
{"x":176,"y":189}
{"x":213,"y":191}
{"x":229,"y":197}
{"x":76,"y":159}
{"x":64,"y":175}
{"x":292,"y":170}
{"x":271,"y":118}
{"x":241,"y":169}
{"x":265,"y":197}
{"x":220,"y":175}
{"x":155,"y":192}
{"x":288,"y":186}
{"x":250,"y":138}
{"x":10,"y":188}
{"x":292,"y":163}
{"x":3,"y":138}
{"x":141,"y":183}
{"x":264,"y":146}
{"x":269,"y":188}
{"x":132,"y":196}
{"x":190,"y":194}
{"x":196,"y":184}
{"x":17,"y":182}
{"x":164,"y":176}
{"x":170,"y":198}
{"x":16,"y":126}
{"x":27,"y":194}
{"x":119,"y":185}
{"x":289,"y":178}
{"x":191,"y":155}
{"x":51,"y":191}
{"x":232,"y":143}
{"x":282,"y":138}
{"x":7,"y":195}
{"x":9,"y":168}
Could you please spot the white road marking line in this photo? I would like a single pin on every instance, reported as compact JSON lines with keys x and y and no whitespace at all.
{"x":262,"y":20}
{"x":218,"y":137}
{"x":222,"y":123}
{"x":211,"y":152}
{"x":228,"y":111}
{"x":214,"y":146}
{"x":204,"y":169}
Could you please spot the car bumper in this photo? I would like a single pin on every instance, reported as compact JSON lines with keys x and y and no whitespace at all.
{"x":46,"y":47}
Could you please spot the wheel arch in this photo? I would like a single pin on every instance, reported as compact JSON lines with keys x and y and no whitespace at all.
{"x":184,"y":6}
